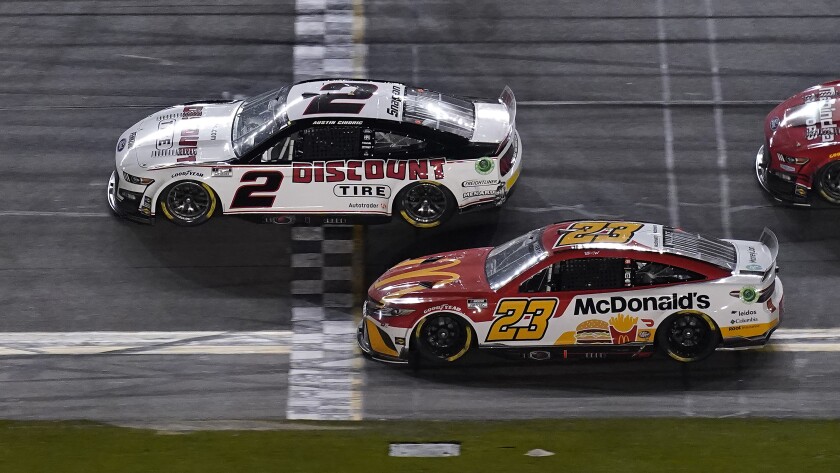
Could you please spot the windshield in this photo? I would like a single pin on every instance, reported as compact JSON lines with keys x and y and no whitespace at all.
{"x":511,"y":259}
{"x":258,"y":119}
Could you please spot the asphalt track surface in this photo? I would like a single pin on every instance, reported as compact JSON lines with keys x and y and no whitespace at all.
{"x":591,"y":84}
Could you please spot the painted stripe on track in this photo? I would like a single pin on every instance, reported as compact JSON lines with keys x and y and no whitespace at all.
{"x":274,"y":342}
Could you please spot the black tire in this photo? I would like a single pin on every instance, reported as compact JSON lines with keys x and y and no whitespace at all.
{"x":443,"y":338}
{"x":188,"y":203}
{"x":828,"y":182}
{"x":425,"y":204}
{"x":688,"y":336}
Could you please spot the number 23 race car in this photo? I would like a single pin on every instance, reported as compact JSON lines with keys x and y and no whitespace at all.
{"x":336,"y":150}
{"x":586,"y":289}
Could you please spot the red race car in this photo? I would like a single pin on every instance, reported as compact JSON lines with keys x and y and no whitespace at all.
{"x":800,"y":154}
{"x":586,"y":289}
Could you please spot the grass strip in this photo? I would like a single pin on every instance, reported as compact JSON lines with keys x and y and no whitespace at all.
{"x":609,"y":445}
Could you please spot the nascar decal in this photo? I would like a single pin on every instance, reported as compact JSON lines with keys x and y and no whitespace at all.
{"x":432,"y":272}
{"x":368,"y":170}
{"x":615,"y":304}
{"x":598,"y":232}
{"x":510,"y":312}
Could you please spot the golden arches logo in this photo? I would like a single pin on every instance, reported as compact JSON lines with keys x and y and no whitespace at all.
{"x":433,"y":271}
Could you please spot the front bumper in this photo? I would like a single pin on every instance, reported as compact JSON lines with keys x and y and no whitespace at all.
{"x":363,"y":337}
{"x":789,"y":192}
{"x":124,"y":207}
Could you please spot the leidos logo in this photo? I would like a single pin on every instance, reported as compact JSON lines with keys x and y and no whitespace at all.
{"x":636,"y":304}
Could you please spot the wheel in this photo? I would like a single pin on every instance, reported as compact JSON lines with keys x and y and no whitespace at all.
{"x":688,"y":336}
{"x":828,"y":182}
{"x":188,"y":203}
{"x":443,"y":338}
{"x":426,"y":204}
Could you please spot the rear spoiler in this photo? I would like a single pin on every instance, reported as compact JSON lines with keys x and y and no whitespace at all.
{"x":768,"y":239}
{"x":509,"y":102}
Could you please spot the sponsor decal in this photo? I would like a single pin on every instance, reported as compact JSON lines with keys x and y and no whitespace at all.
{"x":477,"y":303}
{"x":443,"y":307}
{"x":368,"y":170}
{"x":644,"y":335}
{"x":484,"y":166}
{"x":362,"y":190}
{"x":187,"y":174}
{"x":131,"y":137}
{"x":166,"y":134}
{"x":337,"y":122}
{"x":221,"y":172}
{"x":751,"y":252}
{"x":214,"y":132}
{"x":480,"y":183}
{"x":399,"y":341}
{"x":754,"y":267}
{"x":774,"y":123}
{"x":616,"y":304}
{"x":742,"y":327}
{"x":748,"y":294}
{"x":432,"y":272}
{"x":833,"y":155}
{"x":787,"y":168}
{"x":335,"y":220}
{"x":192,"y":111}
{"x":743,"y":320}
{"x":827,"y":128}
{"x":800,"y":190}
{"x":121,"y":144}
{"x":469,"y":194}
{"x":396,"y":102}
{"x":623,"y":329}
{"x":354,"y":205}
{"x":648,"y":322}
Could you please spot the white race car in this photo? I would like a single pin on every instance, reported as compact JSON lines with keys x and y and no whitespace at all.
{"x":323,"y":151}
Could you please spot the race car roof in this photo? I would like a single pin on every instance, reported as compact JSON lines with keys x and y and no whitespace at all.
{"x":639,"y":236}
{"x":346,"y":99}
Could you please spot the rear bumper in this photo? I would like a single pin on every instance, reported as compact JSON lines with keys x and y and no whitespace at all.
{"x":124,"y":207}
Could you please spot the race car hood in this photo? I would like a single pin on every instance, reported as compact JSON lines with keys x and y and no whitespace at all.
{"x":432,"y":277}
{"x":808,"y":120}
{"x":189,"y":133}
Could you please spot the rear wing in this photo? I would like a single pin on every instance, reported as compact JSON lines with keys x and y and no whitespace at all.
{"x":507,"y":98}
{"x":768,"y":239}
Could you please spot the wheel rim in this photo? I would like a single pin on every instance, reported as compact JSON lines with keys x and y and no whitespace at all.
{"x":188,"y":201}
{"x":689,"y":336}
{"x":830,"y":182}
{"x":425,"y":202}
{"x":444,"y":336}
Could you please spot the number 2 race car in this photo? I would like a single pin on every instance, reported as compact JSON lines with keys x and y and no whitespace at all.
{"x":339,"y":150}
{"x":587,"y":289}
{"x":802,"y":146}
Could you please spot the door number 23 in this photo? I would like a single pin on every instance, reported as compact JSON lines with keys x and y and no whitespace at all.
{"x":509,"y":314}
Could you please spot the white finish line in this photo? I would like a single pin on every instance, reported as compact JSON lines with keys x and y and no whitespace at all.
{"x":145,"y":343}
{"x":269,"y":342}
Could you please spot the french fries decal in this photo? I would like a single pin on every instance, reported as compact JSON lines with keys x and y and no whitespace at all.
{"x":623,"y":329}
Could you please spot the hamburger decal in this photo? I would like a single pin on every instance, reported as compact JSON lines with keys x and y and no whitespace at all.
{"x":619,"y":330}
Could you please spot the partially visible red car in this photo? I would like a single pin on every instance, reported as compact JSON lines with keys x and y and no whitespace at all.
{"x":586,"y":289}
{"x":800,"y":157}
